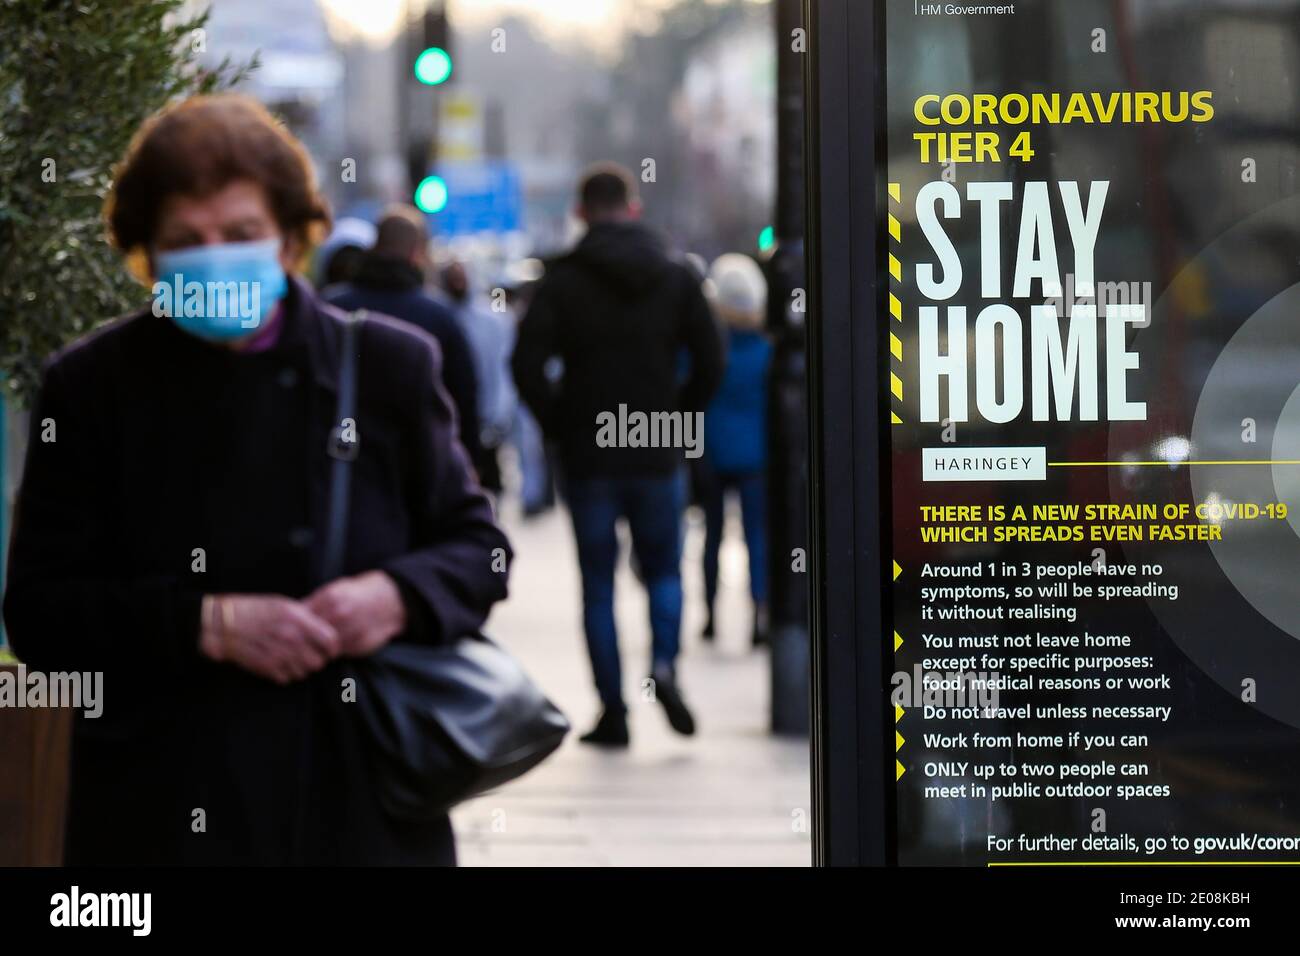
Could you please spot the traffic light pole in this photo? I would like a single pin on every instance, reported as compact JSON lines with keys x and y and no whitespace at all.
{"x":788,"y":393}
{"x":426,"y":65}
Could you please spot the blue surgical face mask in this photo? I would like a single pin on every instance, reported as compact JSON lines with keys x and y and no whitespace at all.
{"x":219,"y":292}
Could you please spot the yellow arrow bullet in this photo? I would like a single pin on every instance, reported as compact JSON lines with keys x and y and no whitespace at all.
{"x":898,"y":641}
{"x":899,"y":770}
{"x":897,"y":570}
{"x":898,"y":741}
{"x":898,"y":713}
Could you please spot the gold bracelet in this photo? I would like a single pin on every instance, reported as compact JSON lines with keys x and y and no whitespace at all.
{"x":210,"y":623}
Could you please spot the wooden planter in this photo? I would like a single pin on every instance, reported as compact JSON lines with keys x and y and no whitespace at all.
{"x":35,"y":744}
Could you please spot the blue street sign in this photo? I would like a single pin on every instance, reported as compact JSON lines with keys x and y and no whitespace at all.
{"x":482,"y":196}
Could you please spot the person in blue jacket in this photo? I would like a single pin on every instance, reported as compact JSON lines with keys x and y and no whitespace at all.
{"x":735,"y":430}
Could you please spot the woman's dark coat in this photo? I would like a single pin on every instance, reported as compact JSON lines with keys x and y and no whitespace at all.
{"x":179,"y":469}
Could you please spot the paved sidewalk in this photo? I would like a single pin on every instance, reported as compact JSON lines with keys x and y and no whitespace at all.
{"x":730,"y":796}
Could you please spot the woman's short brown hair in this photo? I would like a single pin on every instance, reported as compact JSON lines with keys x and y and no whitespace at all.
{"x":199,"y":146}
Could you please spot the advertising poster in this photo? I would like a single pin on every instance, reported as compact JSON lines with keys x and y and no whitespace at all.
{"x":1092,"y":253}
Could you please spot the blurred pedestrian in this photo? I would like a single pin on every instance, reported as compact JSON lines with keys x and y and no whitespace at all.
{"x":616,"y":312}
{"x":170,"y":533}
{"x":339,"y":256}
{"x":390,"y":281}
{"x":535,"y":456}
{"x":735,"y":432}
{"x":491,"y":336}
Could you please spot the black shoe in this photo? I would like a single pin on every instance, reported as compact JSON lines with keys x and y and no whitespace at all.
{"x":668,"y":694}
{"x":610,"y":730}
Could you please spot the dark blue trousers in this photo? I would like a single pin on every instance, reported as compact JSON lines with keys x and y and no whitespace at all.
{"x":652,"y":507}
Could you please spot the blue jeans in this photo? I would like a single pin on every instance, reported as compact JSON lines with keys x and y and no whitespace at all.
{"x":752,"y":488}
{"x":653,"y":510}
{"x":533,"y":466}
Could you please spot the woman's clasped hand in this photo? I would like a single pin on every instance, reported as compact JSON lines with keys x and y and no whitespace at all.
{"x":286,"y":640}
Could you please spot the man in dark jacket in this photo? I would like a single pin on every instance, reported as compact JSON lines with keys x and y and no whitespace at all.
{"x":390,"y":281}
{"x":620,"y":314}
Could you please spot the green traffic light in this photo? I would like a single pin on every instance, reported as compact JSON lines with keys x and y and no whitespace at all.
{"x":433,"y":66}
{"x":766,"y":239}
{"x":431,"y":194}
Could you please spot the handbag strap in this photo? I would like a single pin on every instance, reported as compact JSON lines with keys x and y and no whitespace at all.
{"x":343,"y":446}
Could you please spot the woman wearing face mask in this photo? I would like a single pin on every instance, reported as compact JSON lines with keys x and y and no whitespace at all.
{"x":170,"y":526}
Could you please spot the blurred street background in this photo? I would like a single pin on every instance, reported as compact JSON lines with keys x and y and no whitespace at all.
{"x":536,"y":91}
{"x":684,"y":94}
{"x":483,"y":114}
{"x":733,"y":795}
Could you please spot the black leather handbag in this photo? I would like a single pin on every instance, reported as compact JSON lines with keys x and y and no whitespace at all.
{"x":441,"y":723}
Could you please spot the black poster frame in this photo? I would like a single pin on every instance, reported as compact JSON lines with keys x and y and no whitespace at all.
{"x":853,"y":796}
